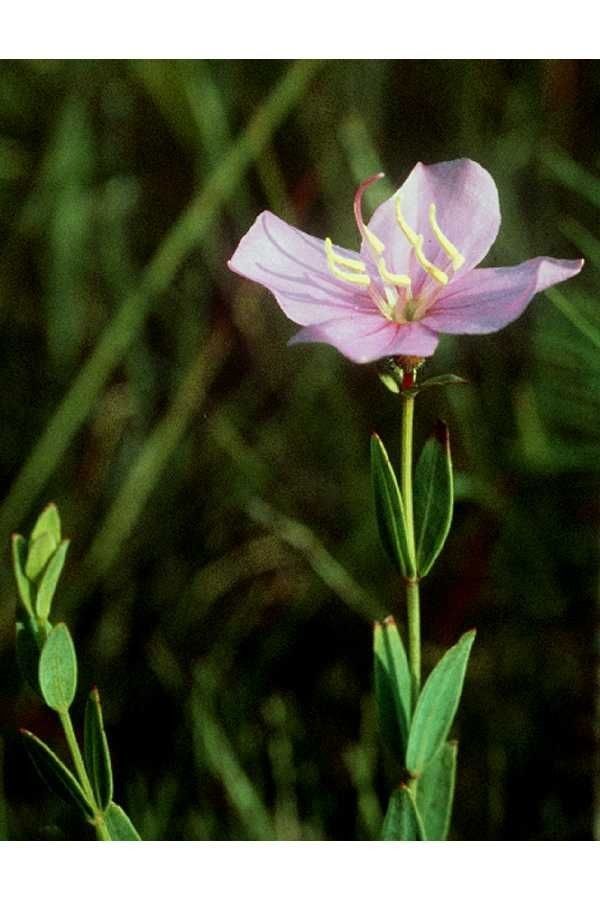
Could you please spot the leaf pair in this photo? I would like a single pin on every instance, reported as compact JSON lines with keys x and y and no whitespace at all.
{"x":419,"y":741}
{"x":415,"y":739}
{"x":98,"y":766}
{"x":433,"y":502}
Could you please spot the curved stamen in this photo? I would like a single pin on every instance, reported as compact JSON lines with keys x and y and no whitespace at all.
{"x":392,"y":277}
{"x":372,"y":239}
{"x":335,"y":263}
{"x":453,"y":254}
{"x":416,"y":242}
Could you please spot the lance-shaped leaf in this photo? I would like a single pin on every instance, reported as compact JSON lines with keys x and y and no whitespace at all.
{"x":392,"y":686}
{"x":119,"y":825}
{"x":19,"y":560}
{"x":435,"y":792}
{"x":58,"y":669}
{"x":402,"y":820}
{"x":389,"y":508}
{"x":40,"y":550}
{"x":48,"y":522}
{"x":96,"y":752}
{"x":49,"y":580}
{"x":56,"y":775}
{"x":437,"y":705}
{"x":434,"y":498}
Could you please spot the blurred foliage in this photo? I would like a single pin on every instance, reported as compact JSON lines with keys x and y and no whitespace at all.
{"x":225,"y":565}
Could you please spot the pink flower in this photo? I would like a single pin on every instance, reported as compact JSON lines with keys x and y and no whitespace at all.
{"x":415,"y":276}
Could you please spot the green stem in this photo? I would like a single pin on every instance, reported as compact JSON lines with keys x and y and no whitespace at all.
{"x":101,"y":829}
{"x":412,"y":583}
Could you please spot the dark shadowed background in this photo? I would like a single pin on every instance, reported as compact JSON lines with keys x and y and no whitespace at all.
{"x":224,"y":567}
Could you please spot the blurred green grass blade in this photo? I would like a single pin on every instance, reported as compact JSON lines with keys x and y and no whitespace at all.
{"x":154,"y":455}
{"x":189,"y":231}
{"x":214,"y":750}
{"x":566,"y":171}
{"x":67,"y":188}
{"x":331,"y":572}
{"x":569,"y":311}
{"x":364,"y":159}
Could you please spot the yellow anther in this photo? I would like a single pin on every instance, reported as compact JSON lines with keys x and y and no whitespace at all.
{"x":391,"y":277}
{"x":411,"y":236}
{"x":336,"y":262}
{"x":356,"y":264}
{"x":416,"y":241}
{"x":429,"y":266}
{"x":453,"y":254}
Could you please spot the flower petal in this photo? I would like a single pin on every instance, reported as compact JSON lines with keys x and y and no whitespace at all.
{"x":467,"y":212}
{"x":488,"y":299}
{"x":367,"y":337}
{"x":293,"y":265}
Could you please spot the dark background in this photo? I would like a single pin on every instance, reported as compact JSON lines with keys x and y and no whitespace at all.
{"x":224,"y":567}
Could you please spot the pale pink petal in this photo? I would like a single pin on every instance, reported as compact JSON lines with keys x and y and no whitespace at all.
{"x":488,"y":299}
{"x":467,"y":210}
{"x":364,"y":338}
{"x":293,"y":266}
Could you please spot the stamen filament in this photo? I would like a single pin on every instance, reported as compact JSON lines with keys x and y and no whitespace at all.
{"x":429,"y":266}
{"x":416,"y":241}
{"x":392,"y":277}
{"x":335,"y":263}
{"x":453,"y":254}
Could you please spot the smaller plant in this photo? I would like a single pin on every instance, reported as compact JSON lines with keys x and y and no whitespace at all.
{"x":48,"y":661}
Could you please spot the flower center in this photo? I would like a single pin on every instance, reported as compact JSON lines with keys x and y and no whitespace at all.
{"x":393,"y":287}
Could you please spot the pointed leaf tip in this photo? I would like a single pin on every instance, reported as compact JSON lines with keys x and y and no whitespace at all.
{"x":437,"y":705}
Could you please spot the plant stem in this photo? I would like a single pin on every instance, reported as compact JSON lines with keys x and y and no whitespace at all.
{"x":412,"y":582}
{"x":101,"y":829}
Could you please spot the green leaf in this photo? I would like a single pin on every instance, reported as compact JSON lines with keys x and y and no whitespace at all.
{"x":96,"y":752}
{"x":40,"y":551}
{"x":434,"y":498}
{"x":392,"y":686}
{"x":48,"y":522}
{"x":436,"y":381}
{"x":119,"y":824}
{"x":28,"y":642}
{"x":389,"y":508}
{"x":435,"y":792}
{"x":437,"y":705}
{"x":19,"y":559}
{"x":58,"y":669}
{"x":49,"y":581}
{"x":402,"y":821}
{"x":56,"y":775}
